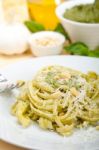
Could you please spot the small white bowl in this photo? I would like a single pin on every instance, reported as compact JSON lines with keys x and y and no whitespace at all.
{"x":46,"y":43}
{"x":87,"y":33}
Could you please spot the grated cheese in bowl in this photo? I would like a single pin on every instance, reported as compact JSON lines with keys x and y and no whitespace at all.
{"x":46,"y":43}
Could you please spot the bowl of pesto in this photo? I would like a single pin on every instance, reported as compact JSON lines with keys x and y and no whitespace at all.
{"x":81,"y":20}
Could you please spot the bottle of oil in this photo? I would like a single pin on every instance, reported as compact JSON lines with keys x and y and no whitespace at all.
{"x":43,"y":11}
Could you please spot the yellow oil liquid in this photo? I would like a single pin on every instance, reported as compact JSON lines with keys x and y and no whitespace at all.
{"x":43,"y":11}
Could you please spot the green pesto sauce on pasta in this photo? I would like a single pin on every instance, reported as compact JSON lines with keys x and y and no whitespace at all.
{"x":59,"y":99}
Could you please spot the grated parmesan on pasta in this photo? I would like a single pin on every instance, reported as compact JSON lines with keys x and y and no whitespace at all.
{"x":59,"y":99}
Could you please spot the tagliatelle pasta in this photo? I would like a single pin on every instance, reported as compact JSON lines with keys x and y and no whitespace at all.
{"x":59,"y":99}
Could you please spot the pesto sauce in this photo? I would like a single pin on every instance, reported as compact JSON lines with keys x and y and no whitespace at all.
{"x":88,"y":13}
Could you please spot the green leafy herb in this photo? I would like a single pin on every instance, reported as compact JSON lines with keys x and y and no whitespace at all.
{"x":80,"y":48}
{"x":49,"y":76}
{"x":61,"y":30}
{"x":77,"y":48}
{"x":50,"y":79}
{"x":94,"y":53}
{"x":33,"y":26}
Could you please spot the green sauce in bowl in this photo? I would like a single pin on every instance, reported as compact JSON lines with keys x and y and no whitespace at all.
{"x":88,"y":13}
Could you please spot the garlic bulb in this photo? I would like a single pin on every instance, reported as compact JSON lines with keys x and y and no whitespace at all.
{"x":13,"y":39}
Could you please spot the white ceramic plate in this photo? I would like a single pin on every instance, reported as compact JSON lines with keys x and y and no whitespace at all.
{"x":33,"y":137}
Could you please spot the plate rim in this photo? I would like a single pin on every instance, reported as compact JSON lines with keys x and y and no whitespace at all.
{"x":35,"y":59}
{"x":46,"y":57}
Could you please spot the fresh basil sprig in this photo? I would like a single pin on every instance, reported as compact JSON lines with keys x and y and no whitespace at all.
{"x":59,"y":28}
{"x":94,"y":53}
{"x":80,"y":48}
{"x":77,"y":49}
{"x":33,"y":26}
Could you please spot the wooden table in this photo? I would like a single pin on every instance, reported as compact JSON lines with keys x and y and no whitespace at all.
{"x":6,"y":146}
{"x":4,"y":61}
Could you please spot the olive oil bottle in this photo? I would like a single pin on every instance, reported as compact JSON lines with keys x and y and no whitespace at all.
{"x":43,"y":11}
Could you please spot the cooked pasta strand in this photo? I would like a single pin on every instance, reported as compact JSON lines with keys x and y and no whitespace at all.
{"x":59,"y":99}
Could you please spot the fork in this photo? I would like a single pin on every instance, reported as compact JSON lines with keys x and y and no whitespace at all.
{"x":6,"y":85}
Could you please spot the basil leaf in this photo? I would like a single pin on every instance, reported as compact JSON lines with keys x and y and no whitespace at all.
{"x":78,"y":48}
{"x":59,"y":28}
{"x":33,"y":26}
{"x":94,"y":53}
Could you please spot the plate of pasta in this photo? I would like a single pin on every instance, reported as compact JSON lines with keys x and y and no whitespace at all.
{"x":57,"y":108}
